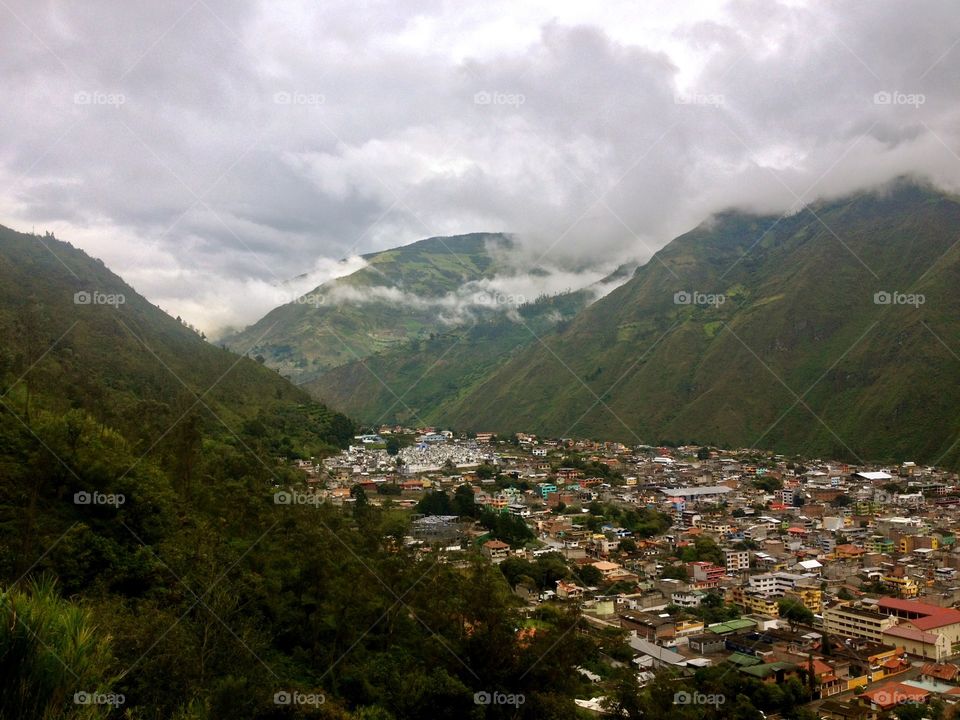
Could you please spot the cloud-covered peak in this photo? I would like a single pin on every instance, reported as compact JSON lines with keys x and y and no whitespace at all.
{"x":211,"y":151}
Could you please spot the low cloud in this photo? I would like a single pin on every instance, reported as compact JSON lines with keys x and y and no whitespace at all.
{"x":252,"y":143}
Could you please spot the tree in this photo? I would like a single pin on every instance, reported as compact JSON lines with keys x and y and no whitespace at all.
{"x":435,"y":503}
{"x":675,"y":572}
{"x":393,"y":446}
{"x":768,"y":484}
{"x":486,"y":471}
{"x":795,"y":612}
{"x":361,"y":504}
{"x":464,"y":503}
{"x":628,"y":545}
{"x":590,"y":575}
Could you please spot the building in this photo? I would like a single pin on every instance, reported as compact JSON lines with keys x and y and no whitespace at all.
{"x":754,"y":601}
{"x":698,"y":493}
{"x":925,"y":618}
{"x":904,"y":585}
{"x":690,"y":599}
{"x":705,"y":574}
{"x":847,"y":620}
{"x":888,"y":696}
{"x":495,"y":551}
{"x":737,"y":561}
{"x":940,"y":672}
{"x":839,"y":710}
{"x":926,"y":645}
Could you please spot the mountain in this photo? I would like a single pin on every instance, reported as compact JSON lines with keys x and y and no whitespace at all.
{"x":77,"y":338}
{"x":418,"y":382}
{"x":795,"y":353}
{"x":799,"y":357}
{"x":159,"y":551}
{"x":400,"y":294}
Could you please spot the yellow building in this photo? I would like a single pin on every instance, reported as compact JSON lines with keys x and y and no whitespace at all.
{"x":811,"y":597}
{"x":754,"y":602}
{"x":906,"y":587}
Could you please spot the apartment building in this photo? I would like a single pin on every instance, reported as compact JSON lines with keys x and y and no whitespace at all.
{"x":848,"y":620}
{"x":737,"y":561}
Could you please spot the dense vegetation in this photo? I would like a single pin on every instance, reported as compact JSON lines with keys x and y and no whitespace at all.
{"x":373,"y":309}
{"x":799,"y":358}
{"x":147,"y":569}
{"x":460,"y":359}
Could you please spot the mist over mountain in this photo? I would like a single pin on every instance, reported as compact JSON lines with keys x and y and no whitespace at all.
{"x":790,"y":333}
{"x":211,"y":163}
{"x":412,"y":292}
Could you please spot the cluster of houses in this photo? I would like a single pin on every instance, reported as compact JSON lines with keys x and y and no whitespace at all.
{"x":866,"y":557}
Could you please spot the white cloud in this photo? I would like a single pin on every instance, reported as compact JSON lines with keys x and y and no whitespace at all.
{"x":558,"y":122}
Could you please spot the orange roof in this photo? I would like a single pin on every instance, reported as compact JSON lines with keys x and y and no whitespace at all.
{"x":495,"y":545}
{"x":849,"y":548}
{"x":910,"y":633}
{"x":895,"y":693}
{"x":820,"y":667}
{"x":941,"y":671}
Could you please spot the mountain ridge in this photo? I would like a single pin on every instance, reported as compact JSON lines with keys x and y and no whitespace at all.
{"x":797,"y":356}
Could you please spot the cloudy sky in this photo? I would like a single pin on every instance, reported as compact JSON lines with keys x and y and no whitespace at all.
{"x":209,"y":149}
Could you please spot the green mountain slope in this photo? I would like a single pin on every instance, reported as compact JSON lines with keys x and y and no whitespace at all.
{"x":799,"y":357}
{"x":419,"y":381}
{"x":128,"y":364}
{"x":397,"y":296}
{"x":157,"y":552}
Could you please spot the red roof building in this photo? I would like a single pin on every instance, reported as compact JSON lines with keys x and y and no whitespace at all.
{"x":887,"y":697}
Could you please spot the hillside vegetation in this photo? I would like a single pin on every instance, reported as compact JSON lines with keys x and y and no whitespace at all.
{"x":801,"y":355}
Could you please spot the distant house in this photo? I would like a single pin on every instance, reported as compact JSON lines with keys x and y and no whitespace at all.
{"x":940,"y":672}
{"x":773,"y":673}
{"x":653,"y":656}
{"x":839,"y":710}
{"x":495,"y":550}
{"x":888,"y":696}
{"x":568,"y":590}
